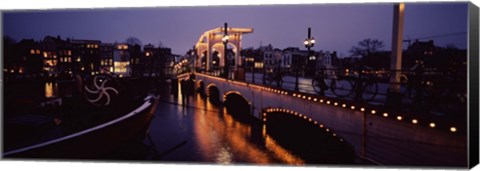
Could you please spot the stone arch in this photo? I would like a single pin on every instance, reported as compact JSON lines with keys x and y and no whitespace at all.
{"x":237,"y":105}
{"x":235,"y":92}
{"x":213,"y":93}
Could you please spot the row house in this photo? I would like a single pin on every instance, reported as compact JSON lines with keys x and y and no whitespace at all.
{"x":106,"y":57}
{"x":24,"y":58}
{"x":158,"y":61}
{"x":57,"y":58}
{"x":121,"y":60}
{"x":86,"y":53}
{"x":288,"y":60}
{"x":272,"y":57}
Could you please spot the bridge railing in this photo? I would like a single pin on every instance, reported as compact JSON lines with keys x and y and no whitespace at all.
{"x":428,"y":92}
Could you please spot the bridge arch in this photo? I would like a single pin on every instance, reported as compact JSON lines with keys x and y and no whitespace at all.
{"x":213,"y":93}
{"x":236,"y":103}
{"x":296,"y":130}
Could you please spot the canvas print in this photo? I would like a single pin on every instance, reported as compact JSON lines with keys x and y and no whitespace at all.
{"x":375,"y":84}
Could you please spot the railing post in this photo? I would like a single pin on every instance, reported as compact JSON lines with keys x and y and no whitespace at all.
{"x":253,"y":74}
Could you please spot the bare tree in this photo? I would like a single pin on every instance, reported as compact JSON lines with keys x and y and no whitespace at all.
{"x":133,"y":41}
{"x":367,"y":47}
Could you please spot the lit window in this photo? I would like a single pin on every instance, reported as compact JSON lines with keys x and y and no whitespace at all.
{"x":121,"y":67}
{"x":32,"y":51}
{"x":38,"y":52}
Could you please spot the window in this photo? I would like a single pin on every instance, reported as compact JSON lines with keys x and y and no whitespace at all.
{"x":32,"y":51}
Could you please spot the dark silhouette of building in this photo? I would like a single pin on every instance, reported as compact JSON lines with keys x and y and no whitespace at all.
{"x":106,"y":57}
{"x":136,"y":56}
{"x":87,"y":54}
{"x":159,"y":60}
{"x":24,"y":58}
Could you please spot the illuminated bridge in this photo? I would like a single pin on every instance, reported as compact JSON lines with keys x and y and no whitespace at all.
{"x":379,"y":135}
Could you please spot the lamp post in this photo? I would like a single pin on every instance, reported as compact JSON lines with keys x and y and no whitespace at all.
{"x":309,"y":42}
{"x":225,"y":42}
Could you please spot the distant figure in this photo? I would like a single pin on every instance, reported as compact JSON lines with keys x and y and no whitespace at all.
{"x":190,"y":85}
{"x":174,"y":87}
{"x":184,"y":91}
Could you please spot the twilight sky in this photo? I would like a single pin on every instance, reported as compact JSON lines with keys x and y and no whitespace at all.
{"x":335,"y":27}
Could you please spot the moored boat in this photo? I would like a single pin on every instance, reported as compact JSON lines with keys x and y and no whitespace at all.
{"x":109,"y":113}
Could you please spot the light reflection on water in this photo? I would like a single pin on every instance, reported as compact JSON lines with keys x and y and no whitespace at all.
{"x":213,"y":136}
{"x":51,"y":89}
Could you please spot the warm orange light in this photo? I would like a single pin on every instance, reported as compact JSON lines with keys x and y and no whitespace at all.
{"x":432,"y":125}
{"x":399,"y":118}
{"x":453,"y":129}
{"x":373,"y":111}
{"x":385,"y":114}
{"x":344,"y":105}
{"x":414,"y":121}
{"x":362,"y":109}
{"x":352,"y":107}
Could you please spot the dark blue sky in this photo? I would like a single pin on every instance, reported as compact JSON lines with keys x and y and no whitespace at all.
{"x":336,"y":27}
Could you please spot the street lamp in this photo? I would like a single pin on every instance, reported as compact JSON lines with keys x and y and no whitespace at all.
{"x":225,"y":42}
{"x":309,"y":42}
